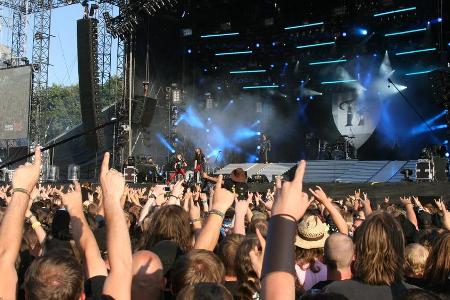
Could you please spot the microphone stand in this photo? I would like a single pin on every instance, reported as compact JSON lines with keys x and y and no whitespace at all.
{"x":413,"y":108}
{"x":53,"y":145}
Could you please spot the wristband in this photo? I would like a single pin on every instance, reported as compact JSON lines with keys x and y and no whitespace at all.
{"x":196,"y":220}
{"x":36,"y":224}
{"x":178,"y":198}
{"x":217,"y":212}
{"x":279,"y":254}
{"x":21,"y":190}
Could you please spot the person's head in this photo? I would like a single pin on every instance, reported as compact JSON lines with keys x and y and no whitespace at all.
{"x":54,"y":277}
{"x":198,"y":151}
{"x":415,"y":258}
{"x":437,"y":267}
{"x":418,"y":294}
{"x":264,"y":137}
{"x":179,"y":156}
{"x":247,"y":277}
{"x":379,"y":250}
{"x":205,"y":291}
{"x":196,"y":266}
{"x":339,"y":252}
{"x":258,"y":223}
{"x":148,"y":278}
{"x":227,"y":252}
{"x":170,"y":223}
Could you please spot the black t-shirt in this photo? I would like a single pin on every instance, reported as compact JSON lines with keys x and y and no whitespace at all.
{"x":321,"y":284}
{"x":93,"y":287}
{"x":354,"y":289}
{"x":233,"y":288}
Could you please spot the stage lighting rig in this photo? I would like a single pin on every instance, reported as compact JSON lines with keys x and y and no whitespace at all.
{"x":125,"y":23}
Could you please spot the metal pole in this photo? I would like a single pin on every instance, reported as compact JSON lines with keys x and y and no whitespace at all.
{"x":130,"y":97}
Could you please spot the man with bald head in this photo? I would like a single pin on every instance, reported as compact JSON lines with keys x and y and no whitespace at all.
{"x":339,"y":253}
{"x":148,"y":278}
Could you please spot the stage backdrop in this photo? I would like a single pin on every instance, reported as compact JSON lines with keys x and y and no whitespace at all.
{"x":355,"y":117}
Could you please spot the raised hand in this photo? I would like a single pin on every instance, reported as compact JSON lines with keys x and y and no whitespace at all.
{"x":72,"y":200}
{"x":26,"y":176}
{"x":241,"y":206}
{"x":440,"y":205}
{"x":320,"y":195}
{"x":112,"y":182}
{"x":290,"y":200}
{"x":358,"y":194}
{"x":405,"y":200}
{"x":223,"y":198}
{"x":256,"y":256}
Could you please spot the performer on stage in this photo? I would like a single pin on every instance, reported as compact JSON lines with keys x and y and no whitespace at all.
{"x":179,"y":168}
{"x":199,"y":164}
{"x":264,"y":148}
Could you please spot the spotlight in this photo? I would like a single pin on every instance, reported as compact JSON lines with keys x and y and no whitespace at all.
{"x":257,"y":45}
{"x":298,"y":98}
{"x":231,"y":101}
{"x":364,"y":32}
{"x":344,"y":34}
{"x":447,"y":154}
{"x":272,"y":65}
{"x":439,"y":20}
{"x":258,"y":133}
{"x":189,"y":51}
{"x":311,"y":97}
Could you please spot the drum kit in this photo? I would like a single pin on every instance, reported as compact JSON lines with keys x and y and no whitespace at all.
{"x":343,"y":148}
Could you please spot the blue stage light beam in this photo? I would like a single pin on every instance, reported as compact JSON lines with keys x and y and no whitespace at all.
{"x":206,"y":36}
{"x":243,"y":134}
{"x":252,"y":158}
{"x":252,"y":87}
{"x":416,"y":51}
{"x":165,"y":143}
{"x":248,"y":71}
{"x":339,"y":81}
{"x":405,"y":32}
{"x":327,"y":62}
{"x":233,"y":53}
{"x":304,"y":26}
{"x":394,"y":11}
{"x":192,"y":118}
{"x":419,"y":72}
{"x":424,"y":127}
{"x":315,"y":45}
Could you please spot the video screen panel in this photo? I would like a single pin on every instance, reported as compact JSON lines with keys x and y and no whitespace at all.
{"x":15,"y":90}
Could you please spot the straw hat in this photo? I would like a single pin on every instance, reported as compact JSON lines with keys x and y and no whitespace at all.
{"x":312,"y":233}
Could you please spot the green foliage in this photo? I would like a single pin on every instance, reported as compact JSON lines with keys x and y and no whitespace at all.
{"x":61,"y":109}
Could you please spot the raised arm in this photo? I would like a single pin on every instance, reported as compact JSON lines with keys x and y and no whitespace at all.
{"x":410,"y":213}
{"x":118,"y":283}
{"x":278,"y":279}
{"x":445,"y":213}
{"x":240,"y":211}
{"x":209,"y":235}
{"x":11,"y":230}
{"x":82,"y":234}
{"x":338,"y":220}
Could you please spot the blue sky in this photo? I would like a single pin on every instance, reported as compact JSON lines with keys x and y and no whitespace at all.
{"x":63,"y":69}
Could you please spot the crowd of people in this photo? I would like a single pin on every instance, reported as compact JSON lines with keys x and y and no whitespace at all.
{"x":111,"y":241}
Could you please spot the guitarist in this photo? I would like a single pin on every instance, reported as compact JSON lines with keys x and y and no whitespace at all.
{"x":179,"y":167}
{"x":199,"y":164}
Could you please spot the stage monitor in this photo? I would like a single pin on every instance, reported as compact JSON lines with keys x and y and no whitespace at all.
{"x":15,"y":91}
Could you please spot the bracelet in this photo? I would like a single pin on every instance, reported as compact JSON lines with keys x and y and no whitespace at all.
{"x":196,"y":220}
{"x":178,"y":198}
{"x":287,"y":215}
{"x":36,"y":224}
{"x":217,"y":212}
{"x":21,"y":190}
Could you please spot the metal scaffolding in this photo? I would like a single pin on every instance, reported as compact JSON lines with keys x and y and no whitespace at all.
{"x":40,"y":61}
{"x":41,"y":46}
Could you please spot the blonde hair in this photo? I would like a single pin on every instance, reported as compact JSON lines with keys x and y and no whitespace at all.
{"x":415,"y":258}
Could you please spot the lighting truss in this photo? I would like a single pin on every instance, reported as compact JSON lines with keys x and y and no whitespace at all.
{"x":233,"y":53}
{"x":394,"y":11}
{"x":405,"y":32}
{"x":219,"y":35}
{"x":315,"y":45}
{"x":304,"y":26}
{"x":416,"y":51}
{"x":339,"y":81}
{"x":327,"y":62}
{"x":248,"y":71}
{"x":253,"y":87}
